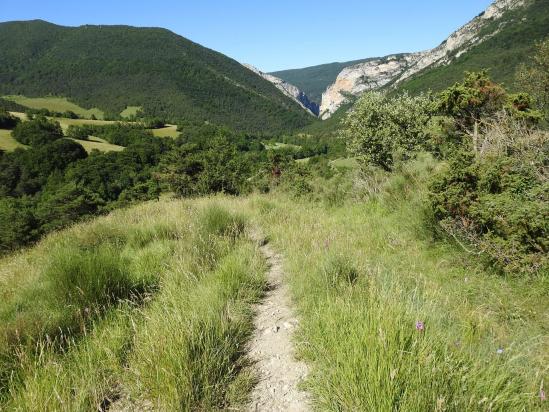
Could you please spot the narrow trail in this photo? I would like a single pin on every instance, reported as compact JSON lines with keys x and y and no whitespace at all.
{"x":271,"y":347}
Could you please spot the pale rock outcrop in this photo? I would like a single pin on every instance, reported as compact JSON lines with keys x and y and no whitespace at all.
{"x":391,"y":70}
{"x":289,"y":90}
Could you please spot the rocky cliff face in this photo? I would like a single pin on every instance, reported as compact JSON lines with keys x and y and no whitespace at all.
{"x":391,"y":70}
{"x":289,"y":90}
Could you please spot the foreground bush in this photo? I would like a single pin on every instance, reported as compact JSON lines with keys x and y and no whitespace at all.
{"x":498,"y":203}
{"x":493,"y":193}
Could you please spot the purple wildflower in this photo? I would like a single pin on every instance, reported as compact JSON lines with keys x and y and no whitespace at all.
{"x":420,"y":325}
{"x":542,"y":394}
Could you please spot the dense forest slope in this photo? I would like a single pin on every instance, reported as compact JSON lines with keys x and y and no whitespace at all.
{"x":112,"y":67}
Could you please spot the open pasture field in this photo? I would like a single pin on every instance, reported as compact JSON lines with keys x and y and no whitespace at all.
{"x":96,"y":143}
{"x":169,"y":131}
{"x":130,"y":111}
{"x":65,"y":123}
{"x":7,"y":142}
{"x":56,"y":104}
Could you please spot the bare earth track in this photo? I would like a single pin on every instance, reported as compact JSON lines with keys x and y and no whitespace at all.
{"x":271,"y":347}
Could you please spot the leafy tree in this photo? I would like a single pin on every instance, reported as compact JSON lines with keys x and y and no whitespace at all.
{"x":18,"y":226}
{"x":62,"y":205}
{"x":25,"y":172}
{"x":379,"y":126}
{"x":471,"y":100}
{"x":533,"y":77}
{"x":521,"y":106}
{"x":475,"y":100}
{"x":7,"y":121}
{"x":36,"y":132}
{"x":214,"y":166}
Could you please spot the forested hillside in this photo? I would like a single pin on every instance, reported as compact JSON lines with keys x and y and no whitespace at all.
{"x":113,"y":67}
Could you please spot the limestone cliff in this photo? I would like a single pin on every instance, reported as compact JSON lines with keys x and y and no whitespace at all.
{"x":289,"y":90}
{"x":391,"y":70}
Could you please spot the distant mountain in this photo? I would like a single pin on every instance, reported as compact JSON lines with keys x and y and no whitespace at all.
{"x":112,"y":67}
{"x":289,"y":90}
{"x":497,"y":39}
{"x":508,"y":42}
{"x":315,"y":79}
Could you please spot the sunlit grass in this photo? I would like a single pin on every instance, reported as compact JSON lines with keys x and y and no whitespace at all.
{"x":130,"y":111}
{"x":168,"y":131}
{"x":95,"y":143}
{"x":148,"y":306}
{"x":364,"y":273}
{"x":56,"y":104}
{"x":7,"y":142}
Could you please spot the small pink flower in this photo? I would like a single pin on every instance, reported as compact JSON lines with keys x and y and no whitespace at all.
{"x":420,"y":325}
{"x":542,"y":394}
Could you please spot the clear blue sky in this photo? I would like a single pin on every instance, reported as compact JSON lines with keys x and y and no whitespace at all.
{"x":274,"y":35}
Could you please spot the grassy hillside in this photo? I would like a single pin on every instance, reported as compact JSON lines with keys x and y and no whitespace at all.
{"x":169,"y":331}
{"x":138,"y":314}
{"x":315,"y":80}
{"x":95,"y":143}
{"x":55,"y":104}
{"x":513,"y":42}
{"x":369,"y":270}
{"x":115,"y":67}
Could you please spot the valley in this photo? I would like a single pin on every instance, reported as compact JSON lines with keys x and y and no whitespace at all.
{"x":183,"y":232}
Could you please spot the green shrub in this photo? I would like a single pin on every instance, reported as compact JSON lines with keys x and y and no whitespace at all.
{"x":379,"y":126}
{"x":7,"y":121}
{"x":534,"y":77}
{"x":39,"y":131}
{"x":493,"y":192}
{"x":499,"y":205}
{"x":18,"y":224}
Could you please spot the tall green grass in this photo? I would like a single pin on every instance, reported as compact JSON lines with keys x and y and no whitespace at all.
{"x":363,"y":273}
{"x":149,"y":307}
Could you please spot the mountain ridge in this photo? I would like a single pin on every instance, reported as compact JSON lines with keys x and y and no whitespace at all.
{"x":395,"y":69}
{"x":169,"y":76}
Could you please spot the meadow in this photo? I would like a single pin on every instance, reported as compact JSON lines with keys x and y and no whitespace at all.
{"x":7,"y":142}
{"x":426,"y":326}
{"x":56,"y":104}
{"x":96,"y":143}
